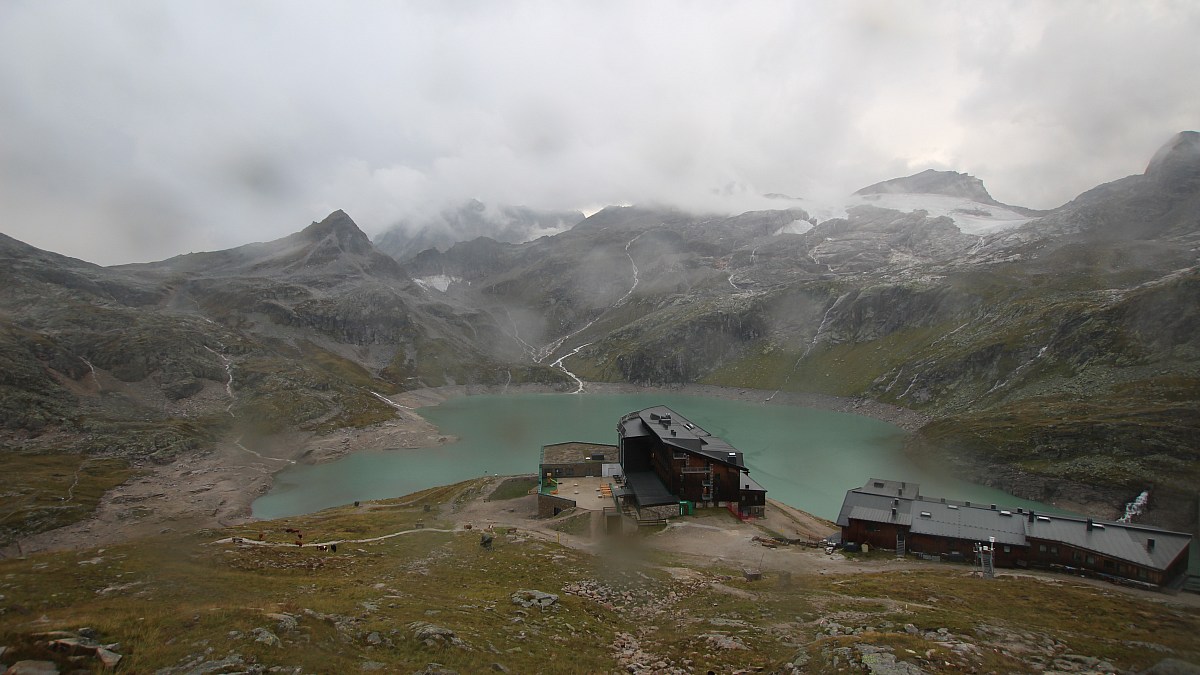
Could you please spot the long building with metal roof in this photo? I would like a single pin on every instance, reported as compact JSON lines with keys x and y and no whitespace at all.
{"x":893,"y":514}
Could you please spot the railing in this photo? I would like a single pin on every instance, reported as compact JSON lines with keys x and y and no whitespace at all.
{"x":696,"y":469}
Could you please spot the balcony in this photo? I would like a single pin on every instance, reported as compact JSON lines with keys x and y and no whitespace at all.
{"x":696,"y":469}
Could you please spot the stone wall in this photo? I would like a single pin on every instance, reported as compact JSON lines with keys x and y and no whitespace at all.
{"x":655,"y":512}
{"x":548,"y":503}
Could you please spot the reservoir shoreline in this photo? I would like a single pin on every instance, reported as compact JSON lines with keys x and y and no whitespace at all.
{"x":218,"y":487}
{"x":905,"y":418}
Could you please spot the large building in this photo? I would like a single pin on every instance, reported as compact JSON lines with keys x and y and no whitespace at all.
{"x":666,"y":459}
{"x":890,"y":514}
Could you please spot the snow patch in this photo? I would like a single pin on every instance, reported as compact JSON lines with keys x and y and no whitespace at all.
{"x":439,"y":282}
{"x":795,"y":227}
{"x":969,"y":216}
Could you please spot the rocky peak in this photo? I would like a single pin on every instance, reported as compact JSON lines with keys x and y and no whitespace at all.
{"x":340,"y":230}
{"x":1178,"y":160}
{"x":930,"y":181}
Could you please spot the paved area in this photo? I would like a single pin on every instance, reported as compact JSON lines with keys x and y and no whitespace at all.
{"x":585,"y":492}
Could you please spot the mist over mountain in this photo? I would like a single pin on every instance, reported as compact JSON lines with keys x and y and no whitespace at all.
{"x":1053,"y":352}
{"x":509,"y":224}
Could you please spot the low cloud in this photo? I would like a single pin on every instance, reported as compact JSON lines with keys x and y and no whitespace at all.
{"x":134,"y":131}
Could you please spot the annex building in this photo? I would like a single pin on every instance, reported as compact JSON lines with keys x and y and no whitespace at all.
{"x":665,"y":460}
{"x":890,"y":514}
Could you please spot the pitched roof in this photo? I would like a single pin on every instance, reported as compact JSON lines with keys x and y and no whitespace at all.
{"x":961,"y":520}
{"x":748,"y":483}
{"x":676,"y":431}
{"x":1124,"y":541}
{"x":967,"y":522}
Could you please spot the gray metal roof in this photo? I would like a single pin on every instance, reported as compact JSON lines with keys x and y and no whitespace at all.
{"x":872,"y":507}
{"x":966,"y":522}
{"x":677,"y":431}
{"x":891,"y":488}
{"x":1124,"y":541}
{"x":748,"y":483}
{"x":880,"y":515}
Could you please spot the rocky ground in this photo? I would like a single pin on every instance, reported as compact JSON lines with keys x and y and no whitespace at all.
{"x":409,"y":589}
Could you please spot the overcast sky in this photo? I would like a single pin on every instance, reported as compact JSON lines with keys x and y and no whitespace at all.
{"x":133,"y":131}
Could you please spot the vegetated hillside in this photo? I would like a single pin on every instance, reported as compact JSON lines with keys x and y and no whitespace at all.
{"x":408,"y":586}
{"x":144,"y":363}
{"x":1058,"y":355}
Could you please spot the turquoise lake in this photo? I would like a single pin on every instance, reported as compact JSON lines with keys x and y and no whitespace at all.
{"x":806,"y":458}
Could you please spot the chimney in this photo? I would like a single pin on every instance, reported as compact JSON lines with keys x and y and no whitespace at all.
{"x":1089,"y":524}
{"x":1020,"y":510}
{"x":672,"y":432}
{"x":993,"y":507}
{"x":893,"y":513}
{"x":1149,"y":544}
{"x":1031,"y":515}
{"x":968,"y":503}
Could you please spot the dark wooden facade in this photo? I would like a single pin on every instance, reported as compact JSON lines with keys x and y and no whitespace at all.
{"x":686,"y":467}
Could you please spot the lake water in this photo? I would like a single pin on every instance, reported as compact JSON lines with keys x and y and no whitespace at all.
{"x":804,"y":457}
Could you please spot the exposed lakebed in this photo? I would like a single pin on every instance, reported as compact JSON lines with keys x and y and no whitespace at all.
{"x":806,"y":458}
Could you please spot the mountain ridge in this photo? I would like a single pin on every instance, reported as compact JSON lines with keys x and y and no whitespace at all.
{"x":1024,"y":346}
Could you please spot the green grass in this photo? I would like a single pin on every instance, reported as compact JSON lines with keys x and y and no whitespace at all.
{"x":578,"y":523}
{"x":513,"y":488}
{"x":44,"y":492}
{"x":170,"y":599}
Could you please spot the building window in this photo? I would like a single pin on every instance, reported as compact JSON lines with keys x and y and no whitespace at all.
{"x":1142,"y":574}
{"x":1076,"y":556}
{"x":1091,"y":560}
{"x":1054,"y":550}
{"x":1042,"y":548}
{"x":1108,"y":564}
{"x":1008,"y":549}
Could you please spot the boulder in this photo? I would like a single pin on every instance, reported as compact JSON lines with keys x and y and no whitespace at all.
{"x":433,"y":635}
{"x":531,"y":598}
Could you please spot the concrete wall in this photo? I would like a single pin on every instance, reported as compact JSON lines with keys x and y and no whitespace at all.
{"x":548,"y":503}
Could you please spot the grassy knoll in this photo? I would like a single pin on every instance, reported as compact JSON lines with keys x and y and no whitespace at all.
{"x":513,"y":488}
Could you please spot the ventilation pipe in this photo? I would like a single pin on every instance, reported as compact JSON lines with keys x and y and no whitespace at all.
{"x":1149,"y":544}
{"x":1031,"y":515}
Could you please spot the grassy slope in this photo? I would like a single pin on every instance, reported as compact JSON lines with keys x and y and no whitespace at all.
{"x":169,"y":600}
{"x":43,"y":492}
